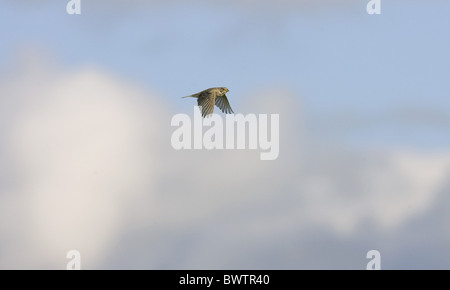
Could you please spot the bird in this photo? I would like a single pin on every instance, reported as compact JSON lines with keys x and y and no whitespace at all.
{"x":206,"y":100}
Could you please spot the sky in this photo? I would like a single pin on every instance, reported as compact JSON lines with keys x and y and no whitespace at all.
{"x":86,"y":163}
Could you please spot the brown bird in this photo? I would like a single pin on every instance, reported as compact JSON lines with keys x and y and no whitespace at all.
{"x":214,"y":96}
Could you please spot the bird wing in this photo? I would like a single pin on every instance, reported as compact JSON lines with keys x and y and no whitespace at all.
{"x":223,"y":104}
{"x":206,"y":101}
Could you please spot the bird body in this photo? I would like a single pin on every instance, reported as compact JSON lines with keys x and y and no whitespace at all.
{"x":213,"y":96}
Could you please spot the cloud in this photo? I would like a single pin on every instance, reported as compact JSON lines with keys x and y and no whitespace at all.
{"x":79,"y":146}
{"x":385,"y":189}
{"x":90,"y":167}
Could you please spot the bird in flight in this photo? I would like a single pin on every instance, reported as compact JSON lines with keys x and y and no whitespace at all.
{"x":214,"y":96}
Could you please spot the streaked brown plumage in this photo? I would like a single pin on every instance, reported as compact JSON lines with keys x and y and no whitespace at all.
{"x":214,"y":96}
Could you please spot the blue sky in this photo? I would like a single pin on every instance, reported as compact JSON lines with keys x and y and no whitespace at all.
{"x":364,"y":150}
{"x":337,"y":59}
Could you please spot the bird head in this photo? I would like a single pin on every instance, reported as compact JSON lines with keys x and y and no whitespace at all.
{"x":224,"y":90}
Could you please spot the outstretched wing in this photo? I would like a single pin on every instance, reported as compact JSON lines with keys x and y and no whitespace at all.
{"x":223,"y":104}
{"x":206,"y":101}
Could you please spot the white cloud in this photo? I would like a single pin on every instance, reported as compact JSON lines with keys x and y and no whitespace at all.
{"x":81,"y":145}
{"x":90,"y":167}
{"x":387,"y":189}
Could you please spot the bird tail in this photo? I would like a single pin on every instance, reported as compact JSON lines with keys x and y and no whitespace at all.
{"x":191,"y":96}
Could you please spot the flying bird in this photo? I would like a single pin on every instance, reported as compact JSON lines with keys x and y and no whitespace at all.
{"x":214,"y":96}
